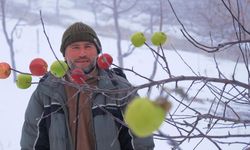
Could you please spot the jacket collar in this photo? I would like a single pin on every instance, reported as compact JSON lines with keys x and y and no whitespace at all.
{"x":52,"y":87}
{"x":105,"y":80}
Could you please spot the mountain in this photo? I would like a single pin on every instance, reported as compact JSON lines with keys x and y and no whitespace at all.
{"x":30,"y":42}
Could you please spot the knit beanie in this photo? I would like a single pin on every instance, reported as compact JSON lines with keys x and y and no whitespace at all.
{"x":79,"y":32}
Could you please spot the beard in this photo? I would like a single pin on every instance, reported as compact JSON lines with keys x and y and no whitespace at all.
{"x":86,"y":70}
{"x":90,"y":68}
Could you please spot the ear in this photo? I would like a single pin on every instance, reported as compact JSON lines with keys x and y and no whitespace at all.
{"x":65,"y":60}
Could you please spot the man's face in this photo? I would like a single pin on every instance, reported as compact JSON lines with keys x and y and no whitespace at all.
{"x":81,"y":55}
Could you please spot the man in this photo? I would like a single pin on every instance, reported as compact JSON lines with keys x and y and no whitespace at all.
{"x":62,"y":117}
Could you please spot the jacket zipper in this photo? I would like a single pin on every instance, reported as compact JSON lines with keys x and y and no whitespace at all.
{"x":77,"y":121}
{"x":68,"y":130}
{"x":92,"y":120}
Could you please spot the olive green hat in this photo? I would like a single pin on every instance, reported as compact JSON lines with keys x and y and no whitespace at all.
{"x":79,"y":32}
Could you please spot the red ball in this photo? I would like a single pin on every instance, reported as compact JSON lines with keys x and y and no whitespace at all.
{"x":104,"y":61}
{"x":5,"y":70}
{"x":38,"y":67}
{"x":78,"y":76}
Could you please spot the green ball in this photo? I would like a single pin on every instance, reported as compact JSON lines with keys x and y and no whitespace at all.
{"x":143,"y":116}
{"x":59,"y":68}
{"x":158,"y":38}
{"x":138,"y":39}
{"x":23,"y":81}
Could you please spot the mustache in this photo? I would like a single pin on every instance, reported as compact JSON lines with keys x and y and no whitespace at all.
{"x":82,"y":58}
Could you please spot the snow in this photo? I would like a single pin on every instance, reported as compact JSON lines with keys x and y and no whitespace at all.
{"x":14,"y":101}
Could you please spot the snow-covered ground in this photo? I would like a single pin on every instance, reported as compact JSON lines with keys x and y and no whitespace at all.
{"x":13,"y":101}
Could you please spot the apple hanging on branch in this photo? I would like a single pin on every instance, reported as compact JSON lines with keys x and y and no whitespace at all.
{"x":158,"y":38}
{"x":5,"y":70}
{"x":59,"y":68}
{"x":144,"y":116}
{"x":138,"y":39}
{"x":104,"y":61}
{"x":78,"y":76}
{"x":23,"y":81}
{"x":38,"y":67}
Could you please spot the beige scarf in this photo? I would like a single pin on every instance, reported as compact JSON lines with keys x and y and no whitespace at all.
{"x":82,"y":121}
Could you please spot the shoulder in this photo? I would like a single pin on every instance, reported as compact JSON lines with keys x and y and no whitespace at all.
{"x":49,"y":84}
{"x":49,"y":80}
{"x":119,"y":77}
{"x":108,"y":79}
{"x":119,"y":72}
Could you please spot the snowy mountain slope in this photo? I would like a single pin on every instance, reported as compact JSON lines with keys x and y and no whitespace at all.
{"x":14,"y":101}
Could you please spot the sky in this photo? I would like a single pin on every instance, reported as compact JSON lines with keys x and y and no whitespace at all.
{"x":13,"y":101}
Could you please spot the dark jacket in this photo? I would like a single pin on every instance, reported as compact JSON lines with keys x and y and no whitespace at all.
{"x":46,"y":119}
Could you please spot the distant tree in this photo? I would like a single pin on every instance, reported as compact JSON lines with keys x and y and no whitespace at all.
{"x":160,"y":24}
{"x":33,"y":4}
{"x":224,"y":94}
{"x":117,"y":8}
{"x":9,"y":36}
{"x":202,"y":17}
{"x":79,"y":3}
{"x":29,"y":3}
{"x":57,"y":8}
{"x":154,"y":10}
{"x":96,"y":9}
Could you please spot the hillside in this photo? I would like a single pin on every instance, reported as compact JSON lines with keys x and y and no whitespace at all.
{"x":69,"y":13}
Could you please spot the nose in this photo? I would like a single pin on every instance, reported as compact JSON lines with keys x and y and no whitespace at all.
{"x":82,"y":52}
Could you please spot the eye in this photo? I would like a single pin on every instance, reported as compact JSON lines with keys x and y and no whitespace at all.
{"x":89,"y":46}
{"x":75,"y":47}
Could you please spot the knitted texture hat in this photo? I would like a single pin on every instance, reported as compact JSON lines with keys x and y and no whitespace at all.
{"x":79,"y":32}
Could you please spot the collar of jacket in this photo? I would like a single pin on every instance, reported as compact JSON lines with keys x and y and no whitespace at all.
{"x":105,"y":81}
{"x":54,"y":87}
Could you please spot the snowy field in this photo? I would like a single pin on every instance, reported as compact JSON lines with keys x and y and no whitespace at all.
{"x":13,"y":101}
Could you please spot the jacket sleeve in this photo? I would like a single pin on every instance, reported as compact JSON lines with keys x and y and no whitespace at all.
{"x":144,"y":143}
{"x":34,"y":133}
{"x":131,"y":142}
{"x":127,"y":139}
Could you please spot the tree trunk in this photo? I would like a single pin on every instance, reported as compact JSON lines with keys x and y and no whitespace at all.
{"x":118,"y":32}
{"x":57,"y":10}
{"x":9,"y":40}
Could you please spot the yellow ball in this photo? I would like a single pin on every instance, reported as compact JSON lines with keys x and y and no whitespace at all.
{"x":143,"y":116}
{"x":158,"y":38}
{"x":59,"y":68}
{"x":23,"y":81}
{"x":138,"y":39}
